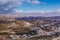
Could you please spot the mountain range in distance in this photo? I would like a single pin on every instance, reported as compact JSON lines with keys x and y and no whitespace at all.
{"x":38,"y":15}
{"x":33,"y":14}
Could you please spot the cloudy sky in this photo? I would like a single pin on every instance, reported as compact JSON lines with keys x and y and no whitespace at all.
{"x":51,"y":5}
{"x":7,"y":6}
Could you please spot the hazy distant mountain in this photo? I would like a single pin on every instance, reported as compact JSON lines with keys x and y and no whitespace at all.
{"x":52,"y":19}
{"x":45,"y":14}
{"x":35,"y":14}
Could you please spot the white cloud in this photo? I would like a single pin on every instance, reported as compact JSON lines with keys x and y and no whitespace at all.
{"x":58,"y":10}
{"x":28,"y":1}
{"x":3,"y":1}
{"x":6,"y":1}
{"x":19,"y":10}
{"x":35,"y":2}
{"x":10,"y":5}
{"x":42,"y":11}
{"x":48,"y":11}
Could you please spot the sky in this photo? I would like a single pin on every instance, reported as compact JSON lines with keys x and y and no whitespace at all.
{"x":29,"y":5}
{"x":51,"y":5}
